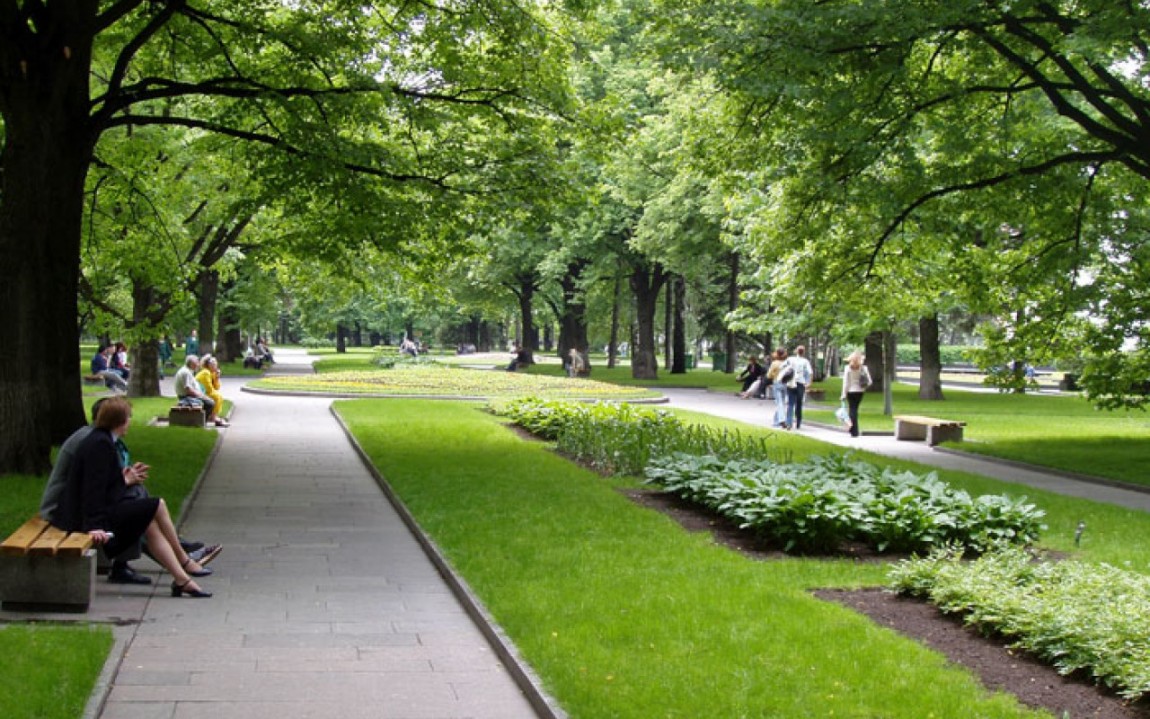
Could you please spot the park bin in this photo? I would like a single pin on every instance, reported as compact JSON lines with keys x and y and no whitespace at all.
{"x":719,"y":362}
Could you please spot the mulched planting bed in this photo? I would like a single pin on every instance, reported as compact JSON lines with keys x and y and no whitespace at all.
{"x":1034,"y":683}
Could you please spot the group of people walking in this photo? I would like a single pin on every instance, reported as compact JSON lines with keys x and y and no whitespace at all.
{"x":787,"y":378}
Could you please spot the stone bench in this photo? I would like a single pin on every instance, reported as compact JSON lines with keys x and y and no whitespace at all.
{"x":934,"y":431}
{"x":43,"y":568}
{"x":184,"y":416}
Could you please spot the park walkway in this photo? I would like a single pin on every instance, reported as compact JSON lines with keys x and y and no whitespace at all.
{"x":325,"y":604}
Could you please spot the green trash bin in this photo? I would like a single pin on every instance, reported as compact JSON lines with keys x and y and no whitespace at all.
{"x":689,"y":361}
{"x":719,"y":362}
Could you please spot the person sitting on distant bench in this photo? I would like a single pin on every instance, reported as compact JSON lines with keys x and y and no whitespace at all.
{"x":101,"y":368}
{"x":209,"y":380}
{"x":189,"y":393}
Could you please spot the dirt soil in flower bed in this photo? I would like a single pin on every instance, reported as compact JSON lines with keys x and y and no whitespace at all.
{"x":1034,"y":683}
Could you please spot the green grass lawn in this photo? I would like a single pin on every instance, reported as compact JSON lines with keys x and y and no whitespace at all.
{"x":624,"y":614}
{"x":1058,"y":431}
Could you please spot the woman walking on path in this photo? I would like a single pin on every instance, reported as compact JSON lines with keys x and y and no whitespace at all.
{"x":780,"y":389}
{"x":856,"y":378}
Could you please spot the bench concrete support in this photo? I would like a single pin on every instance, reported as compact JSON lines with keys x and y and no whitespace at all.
{"x":186,"y":417}
{"x":47,"y":583}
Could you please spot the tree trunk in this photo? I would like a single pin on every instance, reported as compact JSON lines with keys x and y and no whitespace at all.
{"x":525,"y":293}
{"x":732,"y":305}
{"x":668,"y":325}
{"x":930,"y":369}
{"x":44,"y":104}
{"x":889,"y":352}
{"x":873,"y":349}
{"x":679,"y":334}
{"x":145,"y":354}
{"x":646,"y":283}
{"x":340,"y":338}
{"x":613,"y":341}
{"x":573,"y":320}
{"x":209,"y":284}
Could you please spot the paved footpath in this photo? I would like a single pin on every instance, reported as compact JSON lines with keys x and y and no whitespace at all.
{"x":325,"y":604}
{"x":760,"y":413}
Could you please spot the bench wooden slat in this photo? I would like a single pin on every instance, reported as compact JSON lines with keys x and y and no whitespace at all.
{"x":23,"y":538}
{"x":74,"y":545}
{"x":38,"y":538}
{"x":46,"y":544}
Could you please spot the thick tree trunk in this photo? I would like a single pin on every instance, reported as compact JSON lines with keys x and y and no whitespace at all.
{"x":526,"y":296}
{"x":573,"y":317}
{"x":873,"y":348}
{"x":145,"y":354}
{"x":668,"y":324}
{"x":679,"y":334}
{"x":44,"y":104}
{"x":646,"y":283}
{"x":340,"y":338}
{"x":229,"y":346}
{"x":930,"y":369}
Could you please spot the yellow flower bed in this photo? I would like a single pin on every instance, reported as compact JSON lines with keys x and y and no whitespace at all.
{"x":439,"y":380}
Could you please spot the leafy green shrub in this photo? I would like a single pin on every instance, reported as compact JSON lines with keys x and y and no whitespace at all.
{"x":316,"y":343}
{"x":820,"y":504}
{"x":1079,"y":617}
{"x":620,"y":438}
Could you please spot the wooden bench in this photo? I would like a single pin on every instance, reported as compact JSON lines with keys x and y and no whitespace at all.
{"x":934,"y":431}
{"x":184,"y":416}
{"x":43,"y":568}
{"x":93,"y":379}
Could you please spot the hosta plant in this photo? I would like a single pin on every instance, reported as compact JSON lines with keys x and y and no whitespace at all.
{"x":824,"y":502}
{"x":1079,"y":617}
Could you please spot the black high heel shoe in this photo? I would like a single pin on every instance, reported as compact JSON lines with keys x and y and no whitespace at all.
{"x":201,"y":572}
{"x":180,"y":589}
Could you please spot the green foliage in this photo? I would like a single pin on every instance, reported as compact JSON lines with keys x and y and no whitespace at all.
{"x":822,"y":503}
{"x":618,"y":438}
{"x":1079,"y":617}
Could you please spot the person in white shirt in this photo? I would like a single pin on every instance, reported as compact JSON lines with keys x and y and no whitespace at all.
{"x":856,"y":378}
{"x":188,"y":390}
{"x":803,"y":373}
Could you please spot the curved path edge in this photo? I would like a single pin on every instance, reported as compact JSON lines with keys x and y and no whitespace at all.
{"x":517,"y":667}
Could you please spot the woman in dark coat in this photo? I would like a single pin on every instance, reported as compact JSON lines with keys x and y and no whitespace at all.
{"x":94,"y":501}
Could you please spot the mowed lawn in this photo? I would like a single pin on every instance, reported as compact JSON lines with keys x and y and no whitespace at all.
{"x":625,"y":614}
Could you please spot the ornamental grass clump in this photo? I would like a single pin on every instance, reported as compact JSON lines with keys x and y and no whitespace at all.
{"x":1080,"y":617}
{"x":821,"y":504}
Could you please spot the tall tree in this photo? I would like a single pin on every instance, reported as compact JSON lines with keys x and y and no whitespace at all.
{"x":299,"y":79}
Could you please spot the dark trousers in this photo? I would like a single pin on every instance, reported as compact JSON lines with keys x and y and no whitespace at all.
{"x":795,"y":397}
{"x":854,"y":399}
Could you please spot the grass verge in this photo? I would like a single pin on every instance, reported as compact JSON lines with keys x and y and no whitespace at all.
{"x":623,"y":614}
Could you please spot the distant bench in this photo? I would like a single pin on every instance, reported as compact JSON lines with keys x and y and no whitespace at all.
{"x":934,"y":431}
{"x":93,"y":379}
{"x":48,"y":569}
{"x":182,"y":415}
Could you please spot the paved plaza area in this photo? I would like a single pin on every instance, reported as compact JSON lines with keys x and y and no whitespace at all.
{"x":327,"y":604}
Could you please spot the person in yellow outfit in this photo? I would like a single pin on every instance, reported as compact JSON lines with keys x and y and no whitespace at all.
{"x":209,"y":379}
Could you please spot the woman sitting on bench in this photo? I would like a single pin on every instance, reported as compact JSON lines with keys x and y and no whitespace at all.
{"x":94,"y":501}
